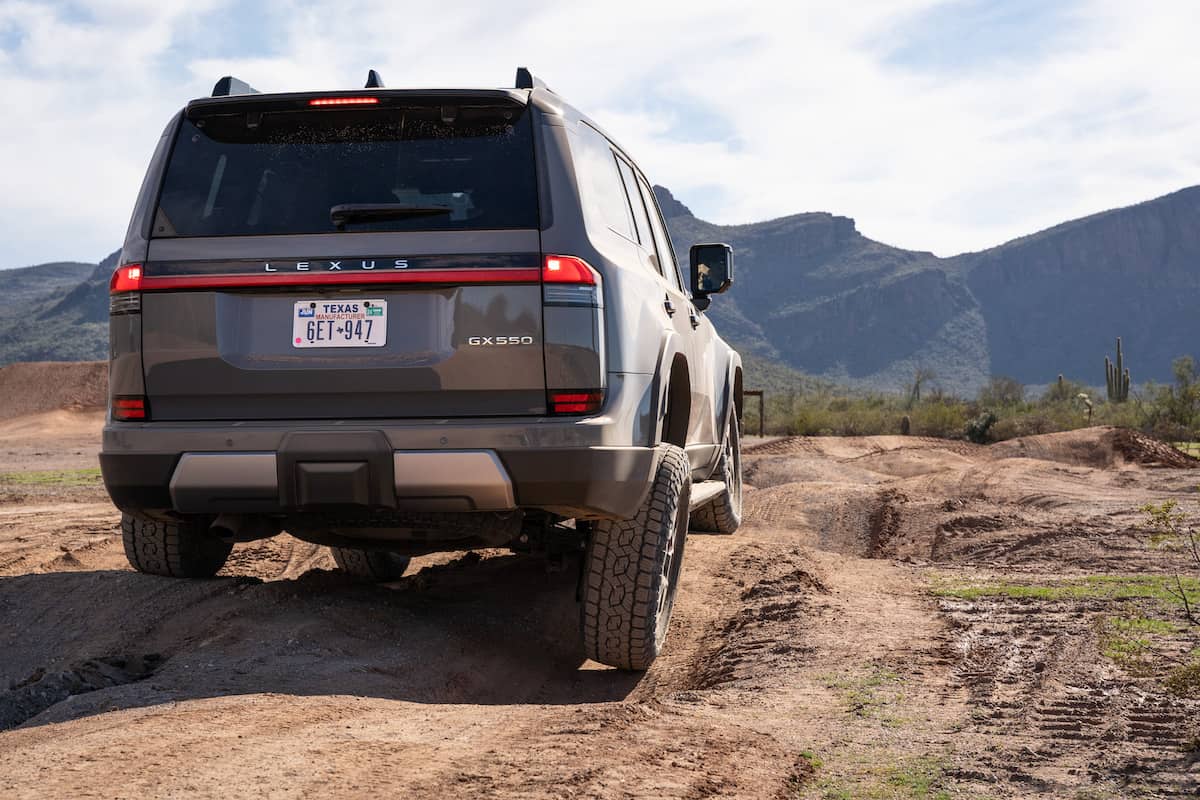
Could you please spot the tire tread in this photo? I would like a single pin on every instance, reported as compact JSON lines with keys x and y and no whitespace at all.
{"x":172,"y":548}
{"x":623,"y":571}
{"x":370,"y":565}
{"x":719,"y":515}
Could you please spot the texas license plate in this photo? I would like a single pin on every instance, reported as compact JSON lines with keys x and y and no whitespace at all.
{"x":339,"y":323}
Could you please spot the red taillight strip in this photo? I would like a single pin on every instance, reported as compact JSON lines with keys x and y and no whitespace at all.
{"x":343,"y":101}
{"x":126,"y":408}
{"x":575,"y":401}
{"x":150,"y":283}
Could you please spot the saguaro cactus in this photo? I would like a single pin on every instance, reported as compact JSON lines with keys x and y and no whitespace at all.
{"x":1117,"y":377}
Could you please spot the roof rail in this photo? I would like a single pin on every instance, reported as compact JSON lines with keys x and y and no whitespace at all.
{"x":527,"y":80}
{"x":230,"y":85}
{"x":373,"y":80}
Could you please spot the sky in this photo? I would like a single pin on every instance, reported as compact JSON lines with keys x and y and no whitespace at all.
{"x":942,"y":125}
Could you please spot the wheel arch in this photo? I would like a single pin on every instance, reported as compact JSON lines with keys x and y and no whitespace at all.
{"x":733,"y":400}
{"x":673,"y":394}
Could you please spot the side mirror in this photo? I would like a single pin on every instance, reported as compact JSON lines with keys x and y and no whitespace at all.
{"x":712,"y":271}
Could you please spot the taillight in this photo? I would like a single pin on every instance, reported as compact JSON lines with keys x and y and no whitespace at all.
{"x":126,"y":408}
{"x":567,"y":269}
{"x":343,"y":101}
{"x":126,"y":279}
{"x":576,"y":401}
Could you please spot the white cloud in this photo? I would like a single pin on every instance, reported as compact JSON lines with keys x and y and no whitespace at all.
{"x":746,"y":112}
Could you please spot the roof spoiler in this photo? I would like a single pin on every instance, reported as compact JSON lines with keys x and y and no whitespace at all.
{"x":230,"y":85}
{"x":527,"y":80}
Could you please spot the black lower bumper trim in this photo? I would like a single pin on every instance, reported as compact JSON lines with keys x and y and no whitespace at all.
{"x":606,"y":482}
{"x":139,"y":481}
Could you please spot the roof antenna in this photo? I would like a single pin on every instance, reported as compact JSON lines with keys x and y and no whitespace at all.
{"x":373,"y":80}
{"x":230,"y":85}
{"x":527,"y":80}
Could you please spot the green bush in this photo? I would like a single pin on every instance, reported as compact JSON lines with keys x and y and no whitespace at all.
{"x":1002,"y":391}
{"x":942,"y":418}
{"x":1171,"y":413}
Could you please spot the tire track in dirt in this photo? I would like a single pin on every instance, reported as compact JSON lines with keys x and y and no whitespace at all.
{"x":1063,"y":715}
{"x":464,"y":678}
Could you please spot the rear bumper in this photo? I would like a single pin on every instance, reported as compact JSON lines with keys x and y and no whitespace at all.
{"x":269,"y":468}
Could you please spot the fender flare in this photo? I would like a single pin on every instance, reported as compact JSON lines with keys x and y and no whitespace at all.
{"x":668,"y":348}
{"x":731,"y":399}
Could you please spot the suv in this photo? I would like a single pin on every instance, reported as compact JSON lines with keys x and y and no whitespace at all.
{"x":403,"y":322}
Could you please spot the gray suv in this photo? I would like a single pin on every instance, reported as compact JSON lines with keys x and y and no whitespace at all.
{"x":397,"y":322}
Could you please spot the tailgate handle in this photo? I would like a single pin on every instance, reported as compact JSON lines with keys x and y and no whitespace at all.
{"x":669,"y":306}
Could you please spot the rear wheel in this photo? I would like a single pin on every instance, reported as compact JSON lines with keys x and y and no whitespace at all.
{"x":632,"y":571}
{"x":379,"y":566}
{"x":176,"y":548}
{"x":723,"y":514}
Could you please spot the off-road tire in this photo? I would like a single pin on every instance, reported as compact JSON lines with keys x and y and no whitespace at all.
{"x":176,"y":548}
{"x":632,"y":571}
{"x":723,"y":514}
{"x":378,"y":566}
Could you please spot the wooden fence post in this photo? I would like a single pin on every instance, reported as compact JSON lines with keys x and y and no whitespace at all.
{"x":762,"y":408}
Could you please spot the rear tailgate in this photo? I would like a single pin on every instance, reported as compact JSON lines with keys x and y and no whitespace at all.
{"x":258,"y":303}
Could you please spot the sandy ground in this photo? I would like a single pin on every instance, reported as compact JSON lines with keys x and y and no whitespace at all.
{"x":833,"y":648}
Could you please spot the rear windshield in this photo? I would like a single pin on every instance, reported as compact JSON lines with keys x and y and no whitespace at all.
{"x":428,"y":168}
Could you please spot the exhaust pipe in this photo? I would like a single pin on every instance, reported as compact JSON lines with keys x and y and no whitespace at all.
{"x":243,"y":528}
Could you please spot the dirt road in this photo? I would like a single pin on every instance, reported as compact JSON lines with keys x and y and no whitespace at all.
{"x":898,"y":617}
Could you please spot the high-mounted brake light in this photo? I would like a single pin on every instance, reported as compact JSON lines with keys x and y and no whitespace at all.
{"x":343,"y":101}
{"x":129,"y":408}
{"x":126,"y":279}
{"x":567,"y":269}
{"x":576,"y":401}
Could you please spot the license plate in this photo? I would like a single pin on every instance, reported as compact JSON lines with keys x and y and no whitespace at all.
{"x":339,"y":323}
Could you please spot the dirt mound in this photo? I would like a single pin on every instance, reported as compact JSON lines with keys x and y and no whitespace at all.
{"x":1096,"y":447}
{"x":30,"y":388}
{"x":851,"y":447}
{"x":1141,"y":449}
{"x":896,"y":612}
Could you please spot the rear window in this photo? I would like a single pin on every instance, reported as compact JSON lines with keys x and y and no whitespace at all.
{"x":461,"y":168}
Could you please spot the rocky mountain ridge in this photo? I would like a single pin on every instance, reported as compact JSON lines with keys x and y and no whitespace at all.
{"x":818,"y":296}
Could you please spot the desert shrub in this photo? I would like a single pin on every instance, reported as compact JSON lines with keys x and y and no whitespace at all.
{"x":979,"y":429}
{"x":1171,"y":413}
{"x":1062,"y":392}
{"x":1184,"y":681}
{"x":941,"y":419}
{"x":1002,"y":391}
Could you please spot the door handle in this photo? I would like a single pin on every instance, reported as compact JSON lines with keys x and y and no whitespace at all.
{"x":694,"y":317}
{"x":669,"y":306}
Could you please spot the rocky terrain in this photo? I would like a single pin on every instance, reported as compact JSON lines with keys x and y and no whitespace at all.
{"x":898,"y":618}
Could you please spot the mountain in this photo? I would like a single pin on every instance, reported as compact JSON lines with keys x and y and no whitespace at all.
{"x":60,"y":312}
{"x":813,"y":295}
{"x":818,"y":296}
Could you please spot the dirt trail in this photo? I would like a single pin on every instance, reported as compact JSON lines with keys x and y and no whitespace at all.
{"x":838,"y":646}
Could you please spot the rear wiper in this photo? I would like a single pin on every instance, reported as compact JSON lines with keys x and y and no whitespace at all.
{"x":377,"y":212}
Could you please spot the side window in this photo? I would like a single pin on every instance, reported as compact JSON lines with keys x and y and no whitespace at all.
{"x":641,"y":219}
{"x":603,"y":195}
{"x":666,"y":255}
